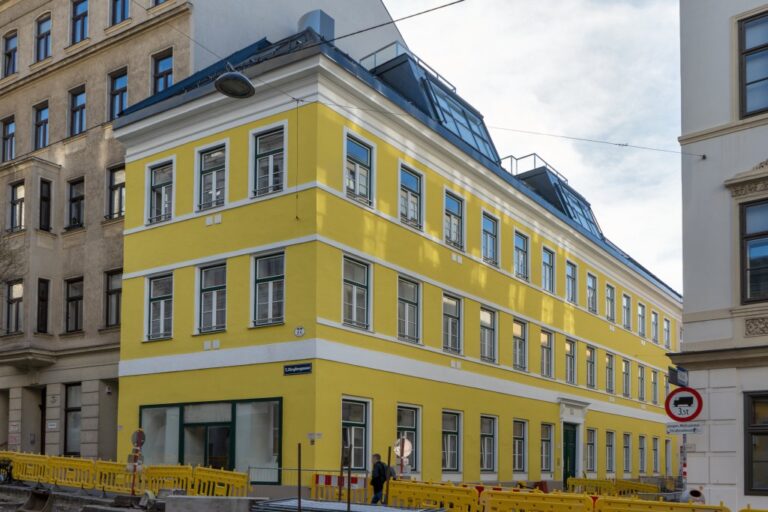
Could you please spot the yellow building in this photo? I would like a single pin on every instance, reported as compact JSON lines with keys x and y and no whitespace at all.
{"x":342,"y":257}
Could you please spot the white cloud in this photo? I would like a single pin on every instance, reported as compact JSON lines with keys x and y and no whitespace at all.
{"x":593,"y":69}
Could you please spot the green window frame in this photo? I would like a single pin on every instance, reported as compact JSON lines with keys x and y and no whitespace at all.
{"x":213,"y":177}
{"x":160,"y":308}
{"x":408,"y":428}
{"x":213,"y":298}
{"x":451,"y":436}
{"x":354,"y":434}
{"x":408,"y":310}
{"x":359,"y":171}
{"x":356,"y":293}
{"x":270,"y":162}
{"x":269,"y":290}
{"x":487,"y":444}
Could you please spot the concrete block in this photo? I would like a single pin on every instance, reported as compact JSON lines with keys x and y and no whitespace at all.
{"x":698,"y":379}
{"x":90,"y":398}
{"x":89,"y":436}
{"x":723,"y":469}
{"x":89,"y":411}
{"x":206,"y":504}
{"x":89,"y":423}
{"x":698,"y":468}
{"x":723,"y":437}
{"x":90,"y":386}
{"x":723,"y":405}
{"x":723,"y":378}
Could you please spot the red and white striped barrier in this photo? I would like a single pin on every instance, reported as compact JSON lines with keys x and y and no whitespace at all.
{"x":355,"y":482}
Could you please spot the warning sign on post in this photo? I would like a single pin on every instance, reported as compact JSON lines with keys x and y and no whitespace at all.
{"x":684,"y":404}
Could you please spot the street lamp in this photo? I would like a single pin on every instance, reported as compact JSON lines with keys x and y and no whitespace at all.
{"x":234,"y":84}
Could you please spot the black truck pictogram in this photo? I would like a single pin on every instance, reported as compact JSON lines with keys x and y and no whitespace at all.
{"x":683,"y":400}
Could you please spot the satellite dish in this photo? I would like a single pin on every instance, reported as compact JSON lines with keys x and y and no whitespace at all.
{"x":407,"y":448}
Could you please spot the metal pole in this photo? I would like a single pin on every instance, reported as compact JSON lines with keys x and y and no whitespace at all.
{"x":402,"y":454}
{"x":298,"y":484}
{"x":349,"y":485}
{"x":341,"y":474}
{"x":389,"y":461}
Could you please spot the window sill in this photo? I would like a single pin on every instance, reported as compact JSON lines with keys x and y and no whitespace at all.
{"x":72,"y":334}
{"x":254,"y":325}
{"x":15,"y":334}
{"x":117,"y":26}
{"x":207,"y":333}
{"x":76,"y":137}
{"x":44,"y":334}
{"x":46,"y":232}
{"x":155,"y":222}
{"x":412,"y":341}
{"x":73,"y":47}
{"x":158,"y":338}
{"x":359,"y":327}
{"x":41,"y":63}
{"x":161,"y":7}
{"x":15,"y":232}
{"x":110,"y":328}
{"x":453,"y":353}
{"x":112,"y":220}
{"x":9,"y":78}
{"x":73,"y":229}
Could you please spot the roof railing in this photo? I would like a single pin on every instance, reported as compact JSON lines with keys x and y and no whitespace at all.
{"x":395,"y":49}
{"x":518,"y":165}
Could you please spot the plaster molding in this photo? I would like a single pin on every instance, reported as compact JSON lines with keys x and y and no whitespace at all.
{"x":756,"y":326}
{"x":750,"y":182}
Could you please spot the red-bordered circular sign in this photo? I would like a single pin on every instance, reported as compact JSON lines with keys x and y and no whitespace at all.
{"x":684,"y":404}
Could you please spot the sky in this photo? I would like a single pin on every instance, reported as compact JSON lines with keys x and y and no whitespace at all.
{"x":597,"y":69}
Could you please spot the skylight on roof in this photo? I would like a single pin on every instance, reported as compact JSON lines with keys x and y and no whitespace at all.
{"x":462,"y":122}
{"x":580,"y":211}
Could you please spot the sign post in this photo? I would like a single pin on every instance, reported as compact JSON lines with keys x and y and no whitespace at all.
{"x":137,"y":440}
{"x":684,"y":405}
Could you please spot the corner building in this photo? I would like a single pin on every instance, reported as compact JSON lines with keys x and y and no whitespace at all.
{"x":360,"y":223}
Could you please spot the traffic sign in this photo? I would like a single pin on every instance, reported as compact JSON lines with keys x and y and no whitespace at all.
{"x":684,"y":404}
{"x":690,"y":427}
{"x":137,"y":438}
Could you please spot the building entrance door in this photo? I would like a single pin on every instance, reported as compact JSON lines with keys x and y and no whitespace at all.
{"x":569,"y":451}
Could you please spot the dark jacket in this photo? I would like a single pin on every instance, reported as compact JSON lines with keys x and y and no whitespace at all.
{"x":379,"y":476}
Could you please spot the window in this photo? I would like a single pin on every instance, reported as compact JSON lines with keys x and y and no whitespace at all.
{"x":160,"y":307}
{"x":162,"y":71}
{"x":212,"y":178}
{"x":490,"y":240}
{"x":546,"y":354}
{"x":571,"y":283}
{"x":666,"y":386}
{"x":454,"y":221}
{"x":610,"y":453}
{"x":354,"y":433}
{"x":753,"y":51}
{"x":79,"y":20}
{"x":451,"y":324}
{"x":41,"y":126}
{"x":359,"y":171}
{"x":518,"y":446}
{"x":625,"y":377}
{"x":17,"y":207}
{"x":74,"y":313}
{"x":114,"y":294}
{"x":591,"y":450}
{"x":407,"y":310}
{"x":9,"y":139}
{"x":14,"y":309}
{"x":641,"y":382}
{"x":548,"y":270}
{"x":213,"y":298}
{"x":118,"y":93}
{"x":520,"y":338}
{"x":654,"y":387}
{"x":270,"y":161}
{"x":641,"y":453}
{"x":570,"y":362}
{"x":546,"y":447}
{"x":116,"y":193}
{"x":410,"y":198}
{"x":158,"y":2}
{"x":43,"y":290}
{"x":641,"y":320}
{"x":521,"y":256}
{"x":451,"y":432}
{"x":487,"y":443}
{"x":610,"y":374}
{"x":655,"y":454}
{"x":161,"y":193}
{"x":592,"y":293}
{"x":355,"y":293}
{"x":120,"y":11}
{"x":45,"y":205}
{"x":610,"y":303}
{"x":270,"y":290}
{"x":72,"y":405}
{"x":627,"y":450}
{"x":77,"y":111}
{"x":667,"y":457}
{"x":626,"y":312}
{"x":655,"y":326}
{"x":10,"y":54}
{"x":754,"y":244}
{"x":667,"y":333}
{"x":487,"y":335}
{"x":756,"y":443}
{"x":76,"y":203}
{"x":590,"y":360}
{"x":408,"y":428}
{"x":43,"y":38}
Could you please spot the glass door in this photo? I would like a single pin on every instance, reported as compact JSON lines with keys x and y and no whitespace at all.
{"x":208,"y":445}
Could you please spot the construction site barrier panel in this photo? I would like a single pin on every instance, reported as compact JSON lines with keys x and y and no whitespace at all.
{"x":635,"y":505}
{"x":592,"y":486}
{"x":218,"y":482}
{"x":72,"y":472}
{"x":155,"y":478}
{"x":334,"y":488}
{"x":30,"y":467}
{"x":114,"y":477}
{"x":629,"y":488}
{"x":420,"y":495}
{"x":535,"y":501}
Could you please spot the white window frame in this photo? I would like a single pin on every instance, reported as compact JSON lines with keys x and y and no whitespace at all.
{"x":483,"y":214}
{"x":494,"y":335}
{"x":642,"y":454}
{"x":198,"y":292}
{"x":403,"y":166}
{"x":610,"y":452}
{"x":641,"y":382}
{"x":610,"y":307}
{"x":574,"y":360}
{"x":520,"y":363}
{"x":575,"y":282}
{"x":551,"y":362}
{"x":655,"y":327}
{"x":463,"y":246}
{"x":368,"y":427}
{"x":419,"y":445}
{"x":253,"y":295}
{"x":369,"y":289}
{"x":626,"y":378}
{"x":515,"y":468}
{"x":459,"y":441}
{"x":199,"y":150}
{"x":349,"y":134}
{"x":610,"y":373}
{"x":252,"y":152}
{"x":626,"y":450}
{"x":667,"y":330}
{"x":419,"y":298}
{"x":550,"y":452}
{"x":494,"y":437}
{"x":590,"y":365}
{"x":147,"y":310}
{"x":626,"y":311}
{"x":590,"y":459}
{"x":642,"y":319}
{"x":527,"y":276}
{"x":461,"y":323}
{"x":655,"y":460}
{"x":148,"y":168}
{"x":553,"y":278}
{"x":596,"y":309}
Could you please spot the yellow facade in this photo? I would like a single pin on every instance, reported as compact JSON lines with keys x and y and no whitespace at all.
{"x":315,"y":225}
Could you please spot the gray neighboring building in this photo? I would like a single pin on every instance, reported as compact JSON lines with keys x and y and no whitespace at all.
{"x":68,"y":68}
{"x":724,"y":67}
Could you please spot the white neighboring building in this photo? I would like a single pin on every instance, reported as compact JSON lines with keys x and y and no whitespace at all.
{"x":724,"y":67}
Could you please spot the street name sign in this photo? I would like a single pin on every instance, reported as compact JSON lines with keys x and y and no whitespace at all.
{"x":690,"y":427}
{"x":684,"y":404}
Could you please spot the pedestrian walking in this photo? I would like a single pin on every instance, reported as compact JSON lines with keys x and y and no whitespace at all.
{"x":378,"y":478}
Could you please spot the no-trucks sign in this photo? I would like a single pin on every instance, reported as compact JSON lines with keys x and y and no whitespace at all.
{"x":684,"y":404}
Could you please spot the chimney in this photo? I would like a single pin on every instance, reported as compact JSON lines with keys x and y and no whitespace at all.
{"x":318,"y":21}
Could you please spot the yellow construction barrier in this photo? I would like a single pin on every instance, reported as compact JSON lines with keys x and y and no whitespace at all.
{"x":155,"y":478}
{"x":334,"y":488}
{"x":420,"y":495}
{"x":750,"y":509}
{"x":605,"y":504}
{"x":72,"y":472}
{"x":629,"y":488}
{"x":217,"y":482}
{"x":31,"y":467}
{"x":592,"y":486}
{"x":535,"y":501}
{"x":114,"y":477}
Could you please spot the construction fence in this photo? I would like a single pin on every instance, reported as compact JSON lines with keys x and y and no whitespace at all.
{"x":116,"y":477}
